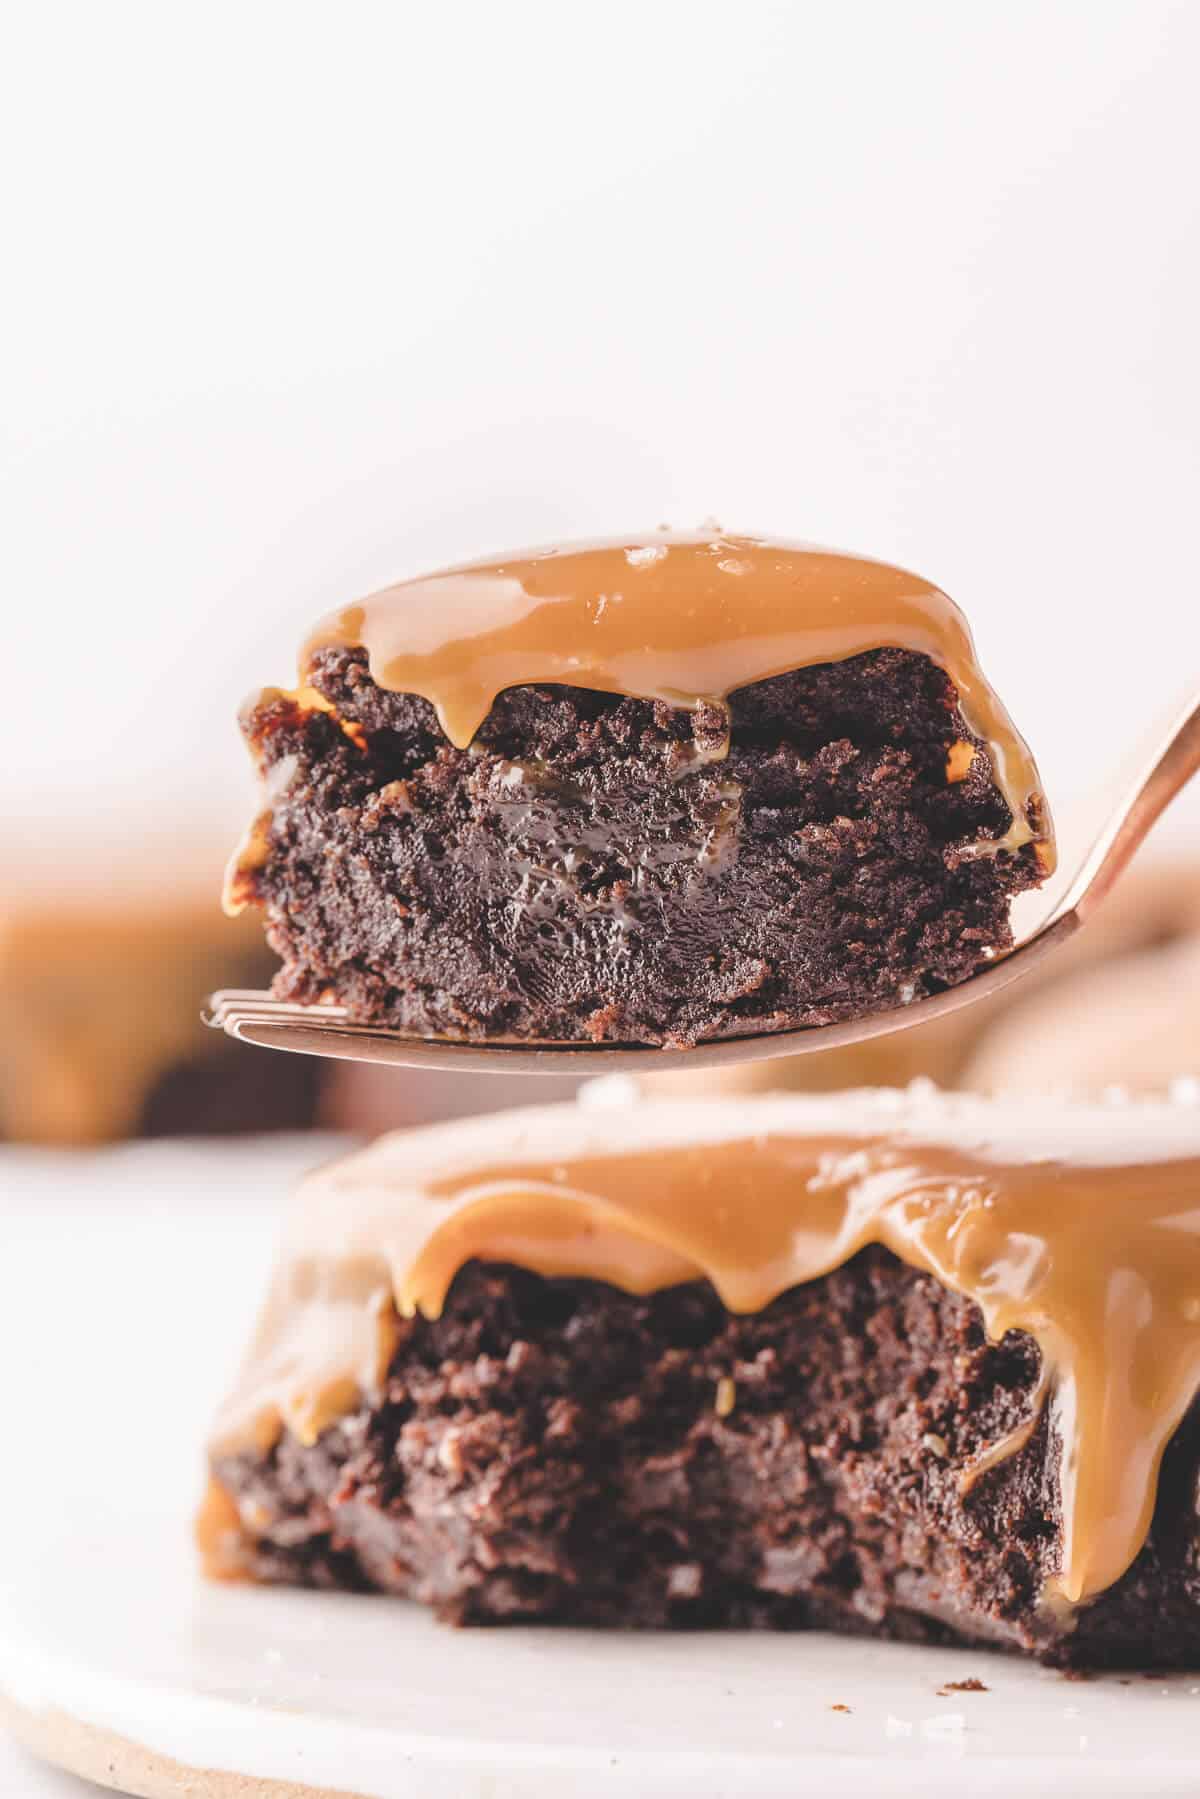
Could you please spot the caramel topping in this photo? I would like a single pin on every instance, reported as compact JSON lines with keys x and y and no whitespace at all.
{"x":1080,"y":1226}
{"x":217,"y":1531}
{"x":103,"y":994}
{"x":685,"y":619}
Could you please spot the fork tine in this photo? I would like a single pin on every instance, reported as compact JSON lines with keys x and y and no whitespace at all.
{"x":350,"y":1042}
{"x":251,"y":1002}
{"x":255,"y":1017}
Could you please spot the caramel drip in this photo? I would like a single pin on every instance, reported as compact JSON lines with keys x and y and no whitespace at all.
{"x":683,"y":619}
{"x":1091,"y":1247}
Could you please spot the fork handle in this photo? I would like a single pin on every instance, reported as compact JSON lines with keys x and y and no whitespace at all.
{"x":1165,"y":766}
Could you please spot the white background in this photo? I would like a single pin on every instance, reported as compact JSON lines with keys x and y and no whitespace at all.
{"x":303,"y":298}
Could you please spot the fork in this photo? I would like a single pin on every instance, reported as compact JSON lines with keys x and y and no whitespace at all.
{"x":324,"y":1030}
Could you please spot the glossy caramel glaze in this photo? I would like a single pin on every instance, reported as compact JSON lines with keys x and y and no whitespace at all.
{"x":687,"y":619}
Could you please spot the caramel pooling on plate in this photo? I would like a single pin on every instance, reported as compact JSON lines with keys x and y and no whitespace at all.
{"x":1080,"y":1227}
{"x":684,"y":619}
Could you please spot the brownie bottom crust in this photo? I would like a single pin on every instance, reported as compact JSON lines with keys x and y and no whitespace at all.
{"x":561,"y":1452}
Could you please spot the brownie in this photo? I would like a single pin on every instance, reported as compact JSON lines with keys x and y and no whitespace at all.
{"x":1113,"y":1007}
{"x":555,"y":1450}
{"x":104,"y":995}
{"x":597,"y":868}
{"x":901,"y":1362}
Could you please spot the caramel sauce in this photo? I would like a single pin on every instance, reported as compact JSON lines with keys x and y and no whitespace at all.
{"x":1079,"y":1226}
{"x":683,"y":619}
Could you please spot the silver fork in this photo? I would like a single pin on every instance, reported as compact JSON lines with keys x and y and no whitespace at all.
{"x":324,"y":1030}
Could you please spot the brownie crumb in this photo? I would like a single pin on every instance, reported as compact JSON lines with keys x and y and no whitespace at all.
{"x":549,"y":1450}
{"x":971,"y":1685}
{"x":593,"y":868}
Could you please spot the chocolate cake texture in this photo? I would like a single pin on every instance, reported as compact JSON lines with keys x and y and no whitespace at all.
{"x":961,"y":1427}
{"x":692,"y":827}
{"x":1115,"y":1006}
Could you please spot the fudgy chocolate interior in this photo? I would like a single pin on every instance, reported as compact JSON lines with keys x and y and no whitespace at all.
{"x":594,"y":867}
{"x":560,"y":1451}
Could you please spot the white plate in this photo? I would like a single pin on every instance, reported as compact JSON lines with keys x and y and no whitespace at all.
{"x":135,"y":1276}
{"x":104,"y":1622}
